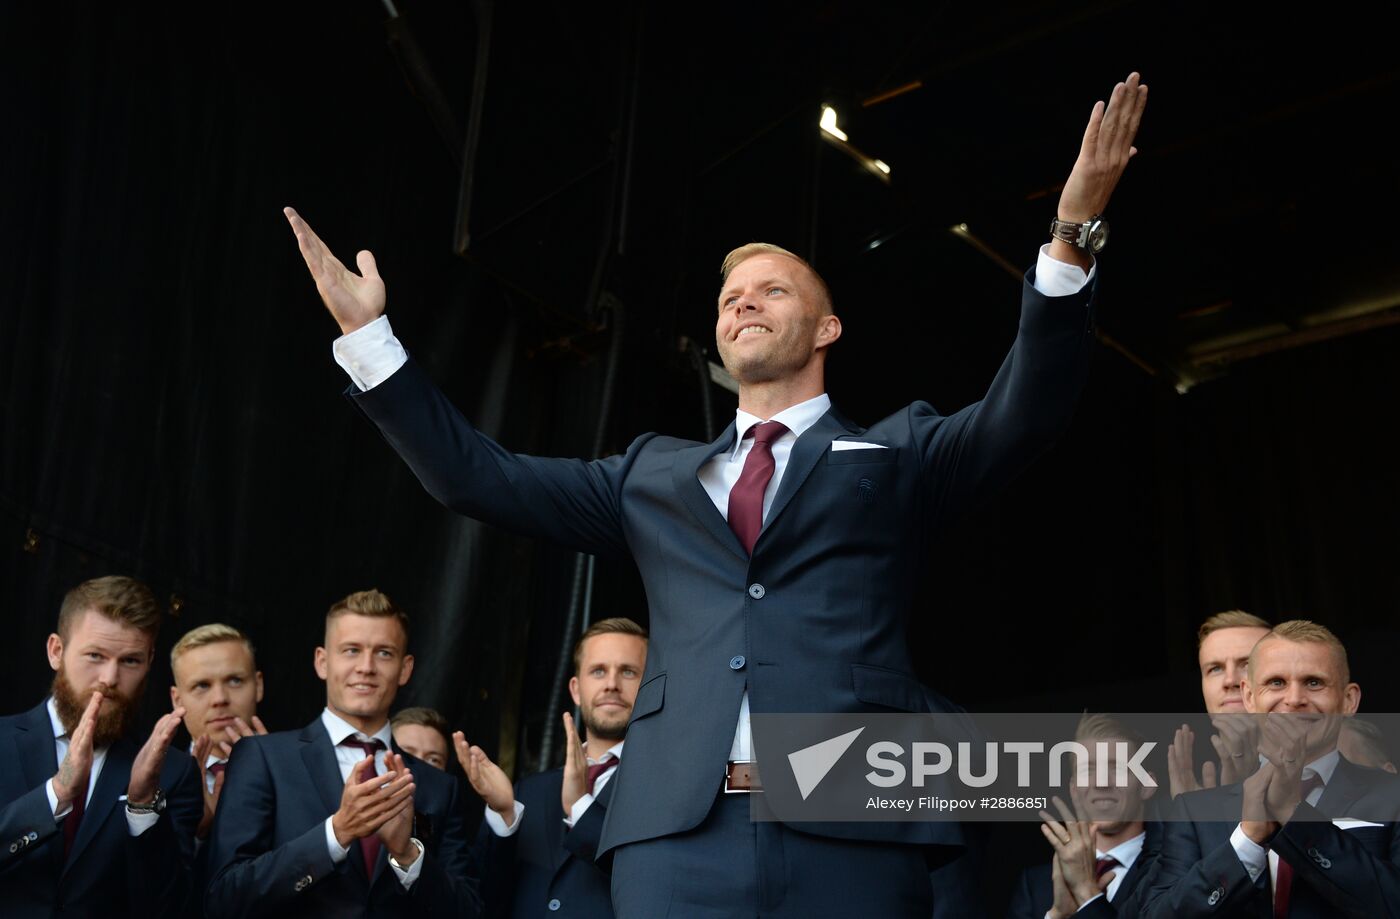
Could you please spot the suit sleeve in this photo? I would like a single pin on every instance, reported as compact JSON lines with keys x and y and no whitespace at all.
{"x":493,"y":863}
{"x":1188,"y":882}
{"x":160,"y":861}
{"x":445,"y":887}
{"x":969,"y":455}
{"x":26,"y":823}
{"x":1022,"y":902}
{"x":1338,"y":867}
{"x":569,"y":501}
{"x":248,"y":876}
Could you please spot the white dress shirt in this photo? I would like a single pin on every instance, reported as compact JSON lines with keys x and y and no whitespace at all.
{"x":1255,"y":857}
{"x":499,"y":827}
{"x":136,"y":824}
{"x":347,"y":758}
{"x":371,"y":354}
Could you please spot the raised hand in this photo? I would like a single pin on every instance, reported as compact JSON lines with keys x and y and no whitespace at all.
{"x":353,"y":299}
{"x":71,"y":779}
{"x":239,"y":730}
{"x":1105,"y":151}
{"x":1181,"y":764}
{"x":1073,"y":842}
{"x":1063,"y":906}
{"x":575,"y":767}
{"x":369,"y":800}
{"x":396,"y":832}
{"x":487,"y":779}
{"x":1237,"y":745}
{"x":145,"y":769}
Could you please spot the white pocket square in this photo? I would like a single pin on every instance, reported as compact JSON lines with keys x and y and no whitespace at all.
{"x":855,"y":445}
{"x":1351,"y":823}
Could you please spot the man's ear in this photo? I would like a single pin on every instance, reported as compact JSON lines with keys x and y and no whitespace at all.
{"x":828,"y":330}
{"x":322,"y":670}
{"x":174,"y":697}
{"x":55,"y":651}
{"x":1149,"y":790}
{"x":406,"y":670}
{"x":573,"y":689}
{"x":1351,"y":699}
{"x":258,"y":678}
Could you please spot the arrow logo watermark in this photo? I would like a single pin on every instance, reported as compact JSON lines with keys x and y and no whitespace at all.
{"x":811,"y":764}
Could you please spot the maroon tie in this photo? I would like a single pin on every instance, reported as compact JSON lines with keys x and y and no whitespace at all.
{"x":217,"y":769}
{"x":70,"y":823}
{"x":1283,"y":883}
{"x":1105,"y":865}
{"x":598,"y":769}
{"x":369,"y":845}
{"x":746,"y":497}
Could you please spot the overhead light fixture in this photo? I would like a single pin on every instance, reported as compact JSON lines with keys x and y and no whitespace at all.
{"x":828,"y":123}
{"x":882,"y":166}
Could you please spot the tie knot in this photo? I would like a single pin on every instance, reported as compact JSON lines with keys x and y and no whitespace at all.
{"x":217,"y":768}
{"x":1105,"y":865}
{"x":1310,"y":783}
{"x":368,"y":747}
{"x":598,"y":768}
{"x":766,"y":432}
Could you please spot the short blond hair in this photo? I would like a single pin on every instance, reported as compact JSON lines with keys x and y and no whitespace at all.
{"x":618,"y":625}
{"x":371,"y":603}
{"x":211,"y":634}
{"x":1106,"y":727}
{"x":749,"y":250}
{"x":1230,"y":619}
{"x":1304,"y":630}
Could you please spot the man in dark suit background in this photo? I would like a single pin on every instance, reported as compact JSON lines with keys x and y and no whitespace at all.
{"x":90,"y":823}
{"x":1284,"y":856}
{"x":779,"y":561}
{"x":545,"y":864}
{"x":333,"y":820}
{"x":1104,"y":848}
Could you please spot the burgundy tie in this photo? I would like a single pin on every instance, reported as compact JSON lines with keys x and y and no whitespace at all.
{"x":1105,"y":865}
{"x":217,"y":769}
{"x":1283,"y":883}
{"x":746,"y":497}
{"x":369,"y":845}
{"x":70,"y":823}
{"x":598,"y":769}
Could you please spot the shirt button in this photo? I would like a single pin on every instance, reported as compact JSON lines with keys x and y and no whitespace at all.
{"x":355,"y":364}
{"x":554,"y":904}
{"x":736,"y":662}
{"x":756,"y":591}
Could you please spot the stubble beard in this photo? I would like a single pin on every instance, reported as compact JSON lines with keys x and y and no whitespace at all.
{"x":114,"y":720}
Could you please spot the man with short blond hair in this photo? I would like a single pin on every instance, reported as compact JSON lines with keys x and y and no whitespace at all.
{"x":92,"y":822}
{"x":333,"y":819}
{"x":1317,"y":835}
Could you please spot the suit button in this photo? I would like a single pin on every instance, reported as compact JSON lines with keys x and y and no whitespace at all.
{"x":14,"y":847}
{"x":756,"y":591}
{"x":736,"y":662}
{"x":33,"y":836}
{"x":303,"y":883}
{"x":554,"y":904}
{"x":1215,"y":896}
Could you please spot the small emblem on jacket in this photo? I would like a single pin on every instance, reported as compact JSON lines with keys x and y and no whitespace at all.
{"x":866,"y":490}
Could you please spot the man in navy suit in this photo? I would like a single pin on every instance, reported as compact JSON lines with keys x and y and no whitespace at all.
{"x":1316,"y":835}
{"x":90,"y":823}
{"x":779,"y":561}
{"x":545,"y":864}
{"x":333,"y":820}
{"x":1104,"y":848}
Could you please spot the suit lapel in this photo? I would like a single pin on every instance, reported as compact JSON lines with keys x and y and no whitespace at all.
{"x":810,"y":448}
{"x":1142,"y":863}
{"x":34,"y":746}
{"x":319,"y":757}
{"x":685,"y":474}
{"x":111,"y":784}
{"x":1348,"y":785}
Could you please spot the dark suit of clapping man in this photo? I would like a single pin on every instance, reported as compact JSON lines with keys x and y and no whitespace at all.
{"x":544,"y":865}
{"x":779,"y":561}
{"x":90,"y":823}
{"x":333,"y":820}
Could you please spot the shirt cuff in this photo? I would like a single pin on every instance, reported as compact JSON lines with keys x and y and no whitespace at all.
{"x":498,"y":826}
{"x":1055,"y":278}
{"x":578,"y":810}
{"x":370,"y":354}
{"x":410,"y":874}
{"x":136,"y":824}
{"x":1086,"y":902}
{"x":1253,"y":856}
{"x":337,"y":851}
{"x":53,"y":802}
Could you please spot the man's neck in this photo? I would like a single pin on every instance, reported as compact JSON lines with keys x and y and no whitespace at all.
{"x":1105,"y":841}
{"x":764,"y":400}
{"x":595,"y":747}
{"x":368,"y":725}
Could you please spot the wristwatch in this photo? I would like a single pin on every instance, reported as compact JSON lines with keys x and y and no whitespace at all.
{"x":155,"y":806}
{"x":1091,"y":235}
{"x":395,"y":862}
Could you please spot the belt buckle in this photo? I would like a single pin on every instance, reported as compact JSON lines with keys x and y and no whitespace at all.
{"x":736,"y":791}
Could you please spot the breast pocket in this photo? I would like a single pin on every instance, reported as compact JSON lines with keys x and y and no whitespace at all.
{"x":888,"y":688}
{"x":651,"y":697}
{"x":860,"y":455}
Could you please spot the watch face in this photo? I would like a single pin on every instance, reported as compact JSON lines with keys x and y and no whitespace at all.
{"x":1098,"y":236}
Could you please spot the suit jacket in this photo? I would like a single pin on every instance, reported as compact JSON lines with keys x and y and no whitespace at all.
{"x":814,"y":621}
{"x":1035,"y":893}
{"x":267,"y":848}
{"x":545,"y":869}
{"x":109,"y":872}
{"x":1337,"y":872}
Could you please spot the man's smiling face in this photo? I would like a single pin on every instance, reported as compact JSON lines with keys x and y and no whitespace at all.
{"x":769,"y":324}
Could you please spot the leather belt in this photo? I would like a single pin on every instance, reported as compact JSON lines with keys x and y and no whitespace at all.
{"x":741,"y":777}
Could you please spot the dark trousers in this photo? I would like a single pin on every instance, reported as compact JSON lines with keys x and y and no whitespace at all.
{"x":730,"y":866}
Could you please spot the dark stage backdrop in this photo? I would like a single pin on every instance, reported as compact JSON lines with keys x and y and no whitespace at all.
{"x":169,"y":407}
